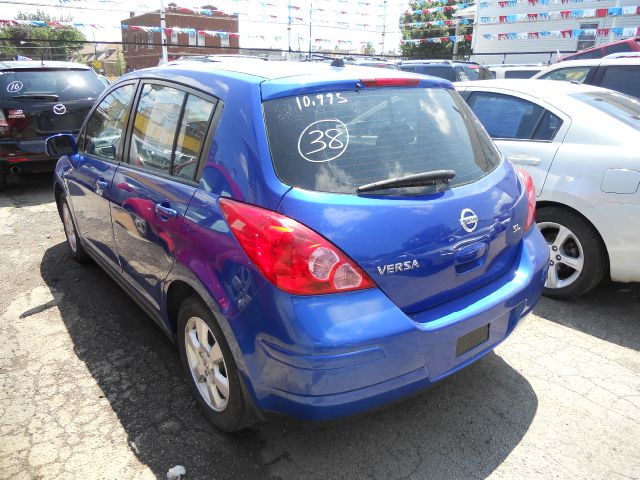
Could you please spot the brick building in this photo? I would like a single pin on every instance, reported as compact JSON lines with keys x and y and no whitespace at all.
{"x":143,"y":49}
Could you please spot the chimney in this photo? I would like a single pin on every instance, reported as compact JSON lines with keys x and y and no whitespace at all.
{"x":132,"y":14}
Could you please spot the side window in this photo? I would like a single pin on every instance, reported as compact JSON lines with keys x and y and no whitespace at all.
{"x":191,"y":136}
{"x":154,"y":127}
{"x":548,"y":126}
{"x":622,"y":78}
{"x":107,"y":123}
{"x":569,"y":74}
{"x":504,"y":116}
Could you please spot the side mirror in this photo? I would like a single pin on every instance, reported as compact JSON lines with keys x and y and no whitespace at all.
{"x":61,"y":144}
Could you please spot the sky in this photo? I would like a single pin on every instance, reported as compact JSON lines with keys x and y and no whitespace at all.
{"x":263,"y":24}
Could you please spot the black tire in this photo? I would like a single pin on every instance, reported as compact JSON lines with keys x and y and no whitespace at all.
{"x":76,"y":251}
{"x":233,"y":418}
{"x":595,"y":260}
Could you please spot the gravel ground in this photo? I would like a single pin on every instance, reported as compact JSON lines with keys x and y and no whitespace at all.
{"x":90,"y":388}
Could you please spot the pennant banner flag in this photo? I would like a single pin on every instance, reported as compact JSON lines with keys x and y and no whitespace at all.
{"x":573,"y":33}
{"x":514,"y":3}
{"x":563,"y":14}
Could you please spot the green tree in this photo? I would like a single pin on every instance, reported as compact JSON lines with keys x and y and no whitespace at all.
{"x":121,"y":65}
{"x":428,"y":49}
{"x":368,"y":49}
{"x":34,"y":42}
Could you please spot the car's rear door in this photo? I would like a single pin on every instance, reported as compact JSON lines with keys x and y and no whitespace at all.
{"x":526,"y":130}
{"x":89,"y":182}
{"x":153,"y":186}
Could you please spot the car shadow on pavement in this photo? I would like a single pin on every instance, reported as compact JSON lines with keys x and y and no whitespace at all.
{"x":610,"y":312}
{"x":463,"y":427}
{"x":27,"y":190}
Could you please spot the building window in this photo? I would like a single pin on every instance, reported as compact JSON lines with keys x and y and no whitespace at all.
{"x":201,"y":39}
{"x":224,"y":40}
{"x":192,"y":37}
{"x":150,"y":41}
{"x":586,"y":40}
{"x":135,"y":40}
{"x":174,"y":37}
{"x":125,"y":46}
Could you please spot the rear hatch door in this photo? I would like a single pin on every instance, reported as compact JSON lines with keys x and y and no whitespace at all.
{"x":422,"y":245}
{"x":39,"y":102}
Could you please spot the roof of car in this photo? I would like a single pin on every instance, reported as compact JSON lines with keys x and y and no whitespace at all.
{"x":262,"y":70}
{"x":595,"y":61}
{"x":547,"y":90}
{"x":33,"y":64}
{"x":437,"y":62}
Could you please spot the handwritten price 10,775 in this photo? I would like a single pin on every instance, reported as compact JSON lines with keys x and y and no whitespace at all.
{"x":319,"y":100}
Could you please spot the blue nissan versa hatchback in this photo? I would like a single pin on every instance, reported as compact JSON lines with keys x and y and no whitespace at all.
{"x":319,"y":240}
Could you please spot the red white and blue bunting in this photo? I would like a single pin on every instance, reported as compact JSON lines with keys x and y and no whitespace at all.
{"x":562,"y":14}
{"x":573,"y":33}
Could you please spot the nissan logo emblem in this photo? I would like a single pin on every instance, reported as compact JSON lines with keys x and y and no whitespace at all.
{"x":468,"y":220}
{"x":59,"y":109}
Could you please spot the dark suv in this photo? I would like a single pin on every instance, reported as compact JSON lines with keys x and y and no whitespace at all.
{"x":36,"y":100}
{"x":452,"y":70}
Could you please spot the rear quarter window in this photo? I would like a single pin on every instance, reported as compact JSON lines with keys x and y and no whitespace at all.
{"x":337,"y":141}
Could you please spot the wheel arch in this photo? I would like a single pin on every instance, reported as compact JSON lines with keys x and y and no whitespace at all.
{"x":549,"y":203}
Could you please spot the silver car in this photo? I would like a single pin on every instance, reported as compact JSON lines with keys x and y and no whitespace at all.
{"x":581,"y":145}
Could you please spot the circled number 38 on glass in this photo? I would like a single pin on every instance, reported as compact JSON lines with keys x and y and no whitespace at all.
{"x":319,"y":100}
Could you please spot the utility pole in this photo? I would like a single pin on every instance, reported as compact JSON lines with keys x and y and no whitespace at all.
{"x":384,"y":24}
{"x":289,"y":27}
{"x":455,"y":44}
{"x":163,"y":34}
{"x":310,"y":13}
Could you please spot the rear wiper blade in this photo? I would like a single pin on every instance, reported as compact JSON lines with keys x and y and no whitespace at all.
{"x":37,"y":96}
{"x":417,"y":180}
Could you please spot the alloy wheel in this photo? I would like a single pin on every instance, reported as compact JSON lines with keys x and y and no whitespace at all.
{"x":566,"y":255}
{"x":206,"y":364}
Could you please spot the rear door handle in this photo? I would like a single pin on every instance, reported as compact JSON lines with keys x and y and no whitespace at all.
{"x":524,"y":159}
{"x":165,"y":212}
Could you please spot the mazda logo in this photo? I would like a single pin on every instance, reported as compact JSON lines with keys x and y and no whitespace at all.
{"x":59,"y":109}
{"x":468,"y":220}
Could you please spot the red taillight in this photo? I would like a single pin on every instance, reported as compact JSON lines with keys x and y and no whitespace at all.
{"x":4,"y":125}
{"x":531,"y":197}
{"x":291,"y":256}
{"x":390,"y":82}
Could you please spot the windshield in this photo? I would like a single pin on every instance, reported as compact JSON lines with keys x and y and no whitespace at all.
{"x":619,"y":106}
{"x":67,"y":84}
{"x":337,"y":141}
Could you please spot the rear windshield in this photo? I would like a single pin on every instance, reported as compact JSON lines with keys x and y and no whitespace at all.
{"x":622,"y":107}
{"x":335,"y":142}
{"x":66,"y":84}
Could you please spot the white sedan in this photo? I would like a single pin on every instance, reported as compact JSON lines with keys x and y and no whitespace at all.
{"x":581,"y":146}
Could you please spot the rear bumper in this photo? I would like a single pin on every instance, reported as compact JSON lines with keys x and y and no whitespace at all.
{"x":331,"y":356}
{"x":25,"y":156}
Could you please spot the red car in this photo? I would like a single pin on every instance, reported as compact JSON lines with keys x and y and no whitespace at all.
{"x":600,"y":51}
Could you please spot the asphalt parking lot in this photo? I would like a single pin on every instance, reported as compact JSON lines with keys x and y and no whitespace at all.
{"x":91,"y":388}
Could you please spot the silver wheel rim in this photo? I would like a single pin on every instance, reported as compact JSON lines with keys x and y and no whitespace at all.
{"x":206,"y":364}
{"x":69,"y":228}
{"x":566,"y":260}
